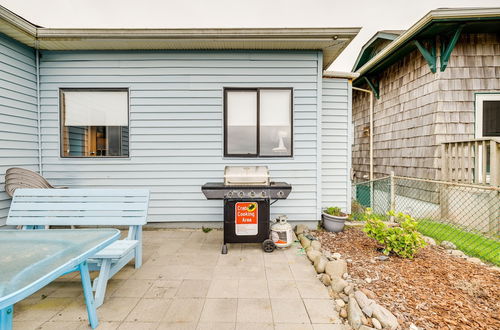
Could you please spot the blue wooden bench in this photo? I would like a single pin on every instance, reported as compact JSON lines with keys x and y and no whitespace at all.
{"x":39,"y":208}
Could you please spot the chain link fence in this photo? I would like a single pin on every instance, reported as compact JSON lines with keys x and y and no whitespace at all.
{"x":467,"y":215}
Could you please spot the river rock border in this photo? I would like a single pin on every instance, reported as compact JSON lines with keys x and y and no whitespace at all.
{"x":356,"y":307}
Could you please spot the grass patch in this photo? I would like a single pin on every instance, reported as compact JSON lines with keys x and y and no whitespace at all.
{"x":472,"y":244}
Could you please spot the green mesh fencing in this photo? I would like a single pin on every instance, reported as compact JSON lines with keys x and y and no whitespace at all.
{"x":466,"y":215}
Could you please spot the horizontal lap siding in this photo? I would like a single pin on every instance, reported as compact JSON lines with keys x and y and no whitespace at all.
{"x":335,"y":132}
{"x":18,"y":113}
{"x":176,"y":127}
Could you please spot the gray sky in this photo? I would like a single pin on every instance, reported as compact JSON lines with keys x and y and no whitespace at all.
{"x":371,"y":15}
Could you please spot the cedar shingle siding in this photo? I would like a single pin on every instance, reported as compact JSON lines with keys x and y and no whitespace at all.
{"x":418,"y":110}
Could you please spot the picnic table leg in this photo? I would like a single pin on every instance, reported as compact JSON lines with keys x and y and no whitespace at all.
{"x":102,"y":282}
{"x":138,"y":249}
{"x":6,"y":316}
{"x":87,"y":292}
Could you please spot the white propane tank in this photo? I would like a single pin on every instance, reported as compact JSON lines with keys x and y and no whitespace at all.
{"x":281,"y":232}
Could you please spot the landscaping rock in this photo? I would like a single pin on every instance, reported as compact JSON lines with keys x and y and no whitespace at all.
{"x":362,"y":299}
{"x":344,"y":297}
{"x":325,"y":279}
{"x":306,"y":242}
{"x":348,"y":289}
{"x":475,"y":260}
{"x":368,"y":309}
{"x":343,"y":313}
{"x":364,"y":327}
{"x":340,"y":303}
{"x":338,"y":284}
{"x":382,"y":258}
{"x":368,"y":280}
{"x":429,"y":240}
{"x":310,"y":237}
{"x":369,"y":293}
{"x":336,"y":255}
{"x":448,"y":245}
{"x":336,"y":268}
{"x":301,"y":229}
{"x":316,"y":245}
{"x":376,"y":323}
{"x":386,"y":318}
{"x":299,"y":236}
{"x":354,"y":313}
{"x":309,"y":248}
{"x":320,"y":264}
{"x":313,"y":254}
{"x":457,"y":253}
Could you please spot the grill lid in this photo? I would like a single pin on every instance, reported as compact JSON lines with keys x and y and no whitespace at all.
{"x":246,"y":175}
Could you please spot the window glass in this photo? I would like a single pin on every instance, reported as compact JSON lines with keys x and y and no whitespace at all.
{"x":241,"y":125}
{"x":275,"y":122}
{"x":491,"y":118}
{"x":94,"y":123}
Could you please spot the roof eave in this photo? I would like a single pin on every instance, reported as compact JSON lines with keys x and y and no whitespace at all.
{"x":438,"y":14}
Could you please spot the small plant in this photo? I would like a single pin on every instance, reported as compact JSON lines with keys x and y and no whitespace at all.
{"x":206,"y":229}
{"x":403,"y":241}
{"x":335,"y":211}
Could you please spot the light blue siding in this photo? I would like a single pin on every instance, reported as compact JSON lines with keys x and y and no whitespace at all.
{"x":336,"y":143}
{"x":18,"y":112}
{"x":176,"y":125}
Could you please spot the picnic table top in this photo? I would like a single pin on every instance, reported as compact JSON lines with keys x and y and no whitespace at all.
{"x":30,"y":259}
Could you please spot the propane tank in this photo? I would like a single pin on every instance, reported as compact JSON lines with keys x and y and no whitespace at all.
{"x":281,"y":232}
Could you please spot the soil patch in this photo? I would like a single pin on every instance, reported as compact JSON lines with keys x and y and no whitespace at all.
{"x":434,"y":290}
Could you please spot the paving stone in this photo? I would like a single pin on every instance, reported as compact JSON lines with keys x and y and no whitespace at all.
{"x":251,"y":310}
{"x":293,"y":326}
{"x":137,"y":326}
{"x":163,"y":289}
{"x":215,"y":326}
{"x":184,"y":310}
{"x":219,"y":310}
{"x":283,"y":289}
{"x":176,"y":326}
{"x":132,"y":288}
{"x":250,"y":288}
{"x":149,"y":310}
{"x":223,"y":288}
{"x":312,"y":289}
{"x":193,"y":289}
{"x":321,"y":311}
{"x":289,"y":311}
{"x":254,"y":326}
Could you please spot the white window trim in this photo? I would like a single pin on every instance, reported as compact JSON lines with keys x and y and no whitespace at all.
{"x":478,"y":121}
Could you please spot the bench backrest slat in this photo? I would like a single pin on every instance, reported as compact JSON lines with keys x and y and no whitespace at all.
{"x":79,"y":207}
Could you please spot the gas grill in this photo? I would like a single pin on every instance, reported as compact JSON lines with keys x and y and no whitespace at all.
{"x":247,"y":192}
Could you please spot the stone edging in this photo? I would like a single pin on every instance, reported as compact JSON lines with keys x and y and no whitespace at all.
{"x":356,"y":307}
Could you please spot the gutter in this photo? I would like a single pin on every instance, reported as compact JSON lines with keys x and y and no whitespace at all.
{"x":438,"y":14}
{"x":38,"y":108}
{"x":340,"y":74}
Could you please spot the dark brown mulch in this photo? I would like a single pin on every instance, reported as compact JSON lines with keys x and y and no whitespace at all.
{"x":434,"y":290}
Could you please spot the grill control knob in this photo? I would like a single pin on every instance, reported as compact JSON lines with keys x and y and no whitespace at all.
{"x":251,"y":194}
{"x":281,"y":193}
{"x":263,"y":194}
{"x":230,"y":194}
{"x":241,"y":194}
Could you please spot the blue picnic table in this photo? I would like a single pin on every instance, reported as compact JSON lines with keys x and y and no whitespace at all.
{"x":31,"y":259}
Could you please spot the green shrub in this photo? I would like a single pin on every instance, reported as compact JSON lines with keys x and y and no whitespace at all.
{"x":403,"y":241}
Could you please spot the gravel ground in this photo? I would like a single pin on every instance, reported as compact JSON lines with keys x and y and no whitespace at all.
{"x":434,"y":290}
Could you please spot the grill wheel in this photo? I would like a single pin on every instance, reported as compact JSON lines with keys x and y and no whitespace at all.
{"x":268,"y":246}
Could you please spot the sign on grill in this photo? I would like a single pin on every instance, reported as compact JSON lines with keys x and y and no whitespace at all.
{"x":246,"y":218}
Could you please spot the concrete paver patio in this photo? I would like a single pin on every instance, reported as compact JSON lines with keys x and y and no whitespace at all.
{"x":185,"y":283}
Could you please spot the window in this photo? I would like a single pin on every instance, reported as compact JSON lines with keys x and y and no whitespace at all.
{"x":487,"y":115}
{"x":94,"y":122}
{"x":258,"y":122}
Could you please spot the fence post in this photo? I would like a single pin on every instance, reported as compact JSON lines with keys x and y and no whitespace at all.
{"x":444,"y":163}
{"x":494,"y":166}
{"x":393,"y":195}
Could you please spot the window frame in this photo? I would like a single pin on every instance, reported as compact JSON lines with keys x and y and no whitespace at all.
{"x":257,"y":90}
{"x":91,"y":89}
{"x":479,"y":99}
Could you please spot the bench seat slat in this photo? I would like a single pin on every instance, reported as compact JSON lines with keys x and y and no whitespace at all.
{"x":117,"y":249}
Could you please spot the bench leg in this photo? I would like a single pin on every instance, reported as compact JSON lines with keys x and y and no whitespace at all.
{"x":87,"y":292}
{"x":6,"y":316}
{"x":138,"y":249}
{"x":102,"y":282}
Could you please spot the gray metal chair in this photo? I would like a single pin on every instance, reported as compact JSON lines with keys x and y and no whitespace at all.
{"x":16,"y":177}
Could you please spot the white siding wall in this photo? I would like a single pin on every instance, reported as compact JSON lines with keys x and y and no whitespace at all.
{"x":336,"y":143}
{"x":18,"y":112}
{"x":177,"y":126}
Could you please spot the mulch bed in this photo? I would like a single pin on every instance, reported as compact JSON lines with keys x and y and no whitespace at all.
{"x":434,"y":290}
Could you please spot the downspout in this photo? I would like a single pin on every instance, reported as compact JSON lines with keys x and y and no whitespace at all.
{"x":371,"y":127}
{"x":38,"y":107}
